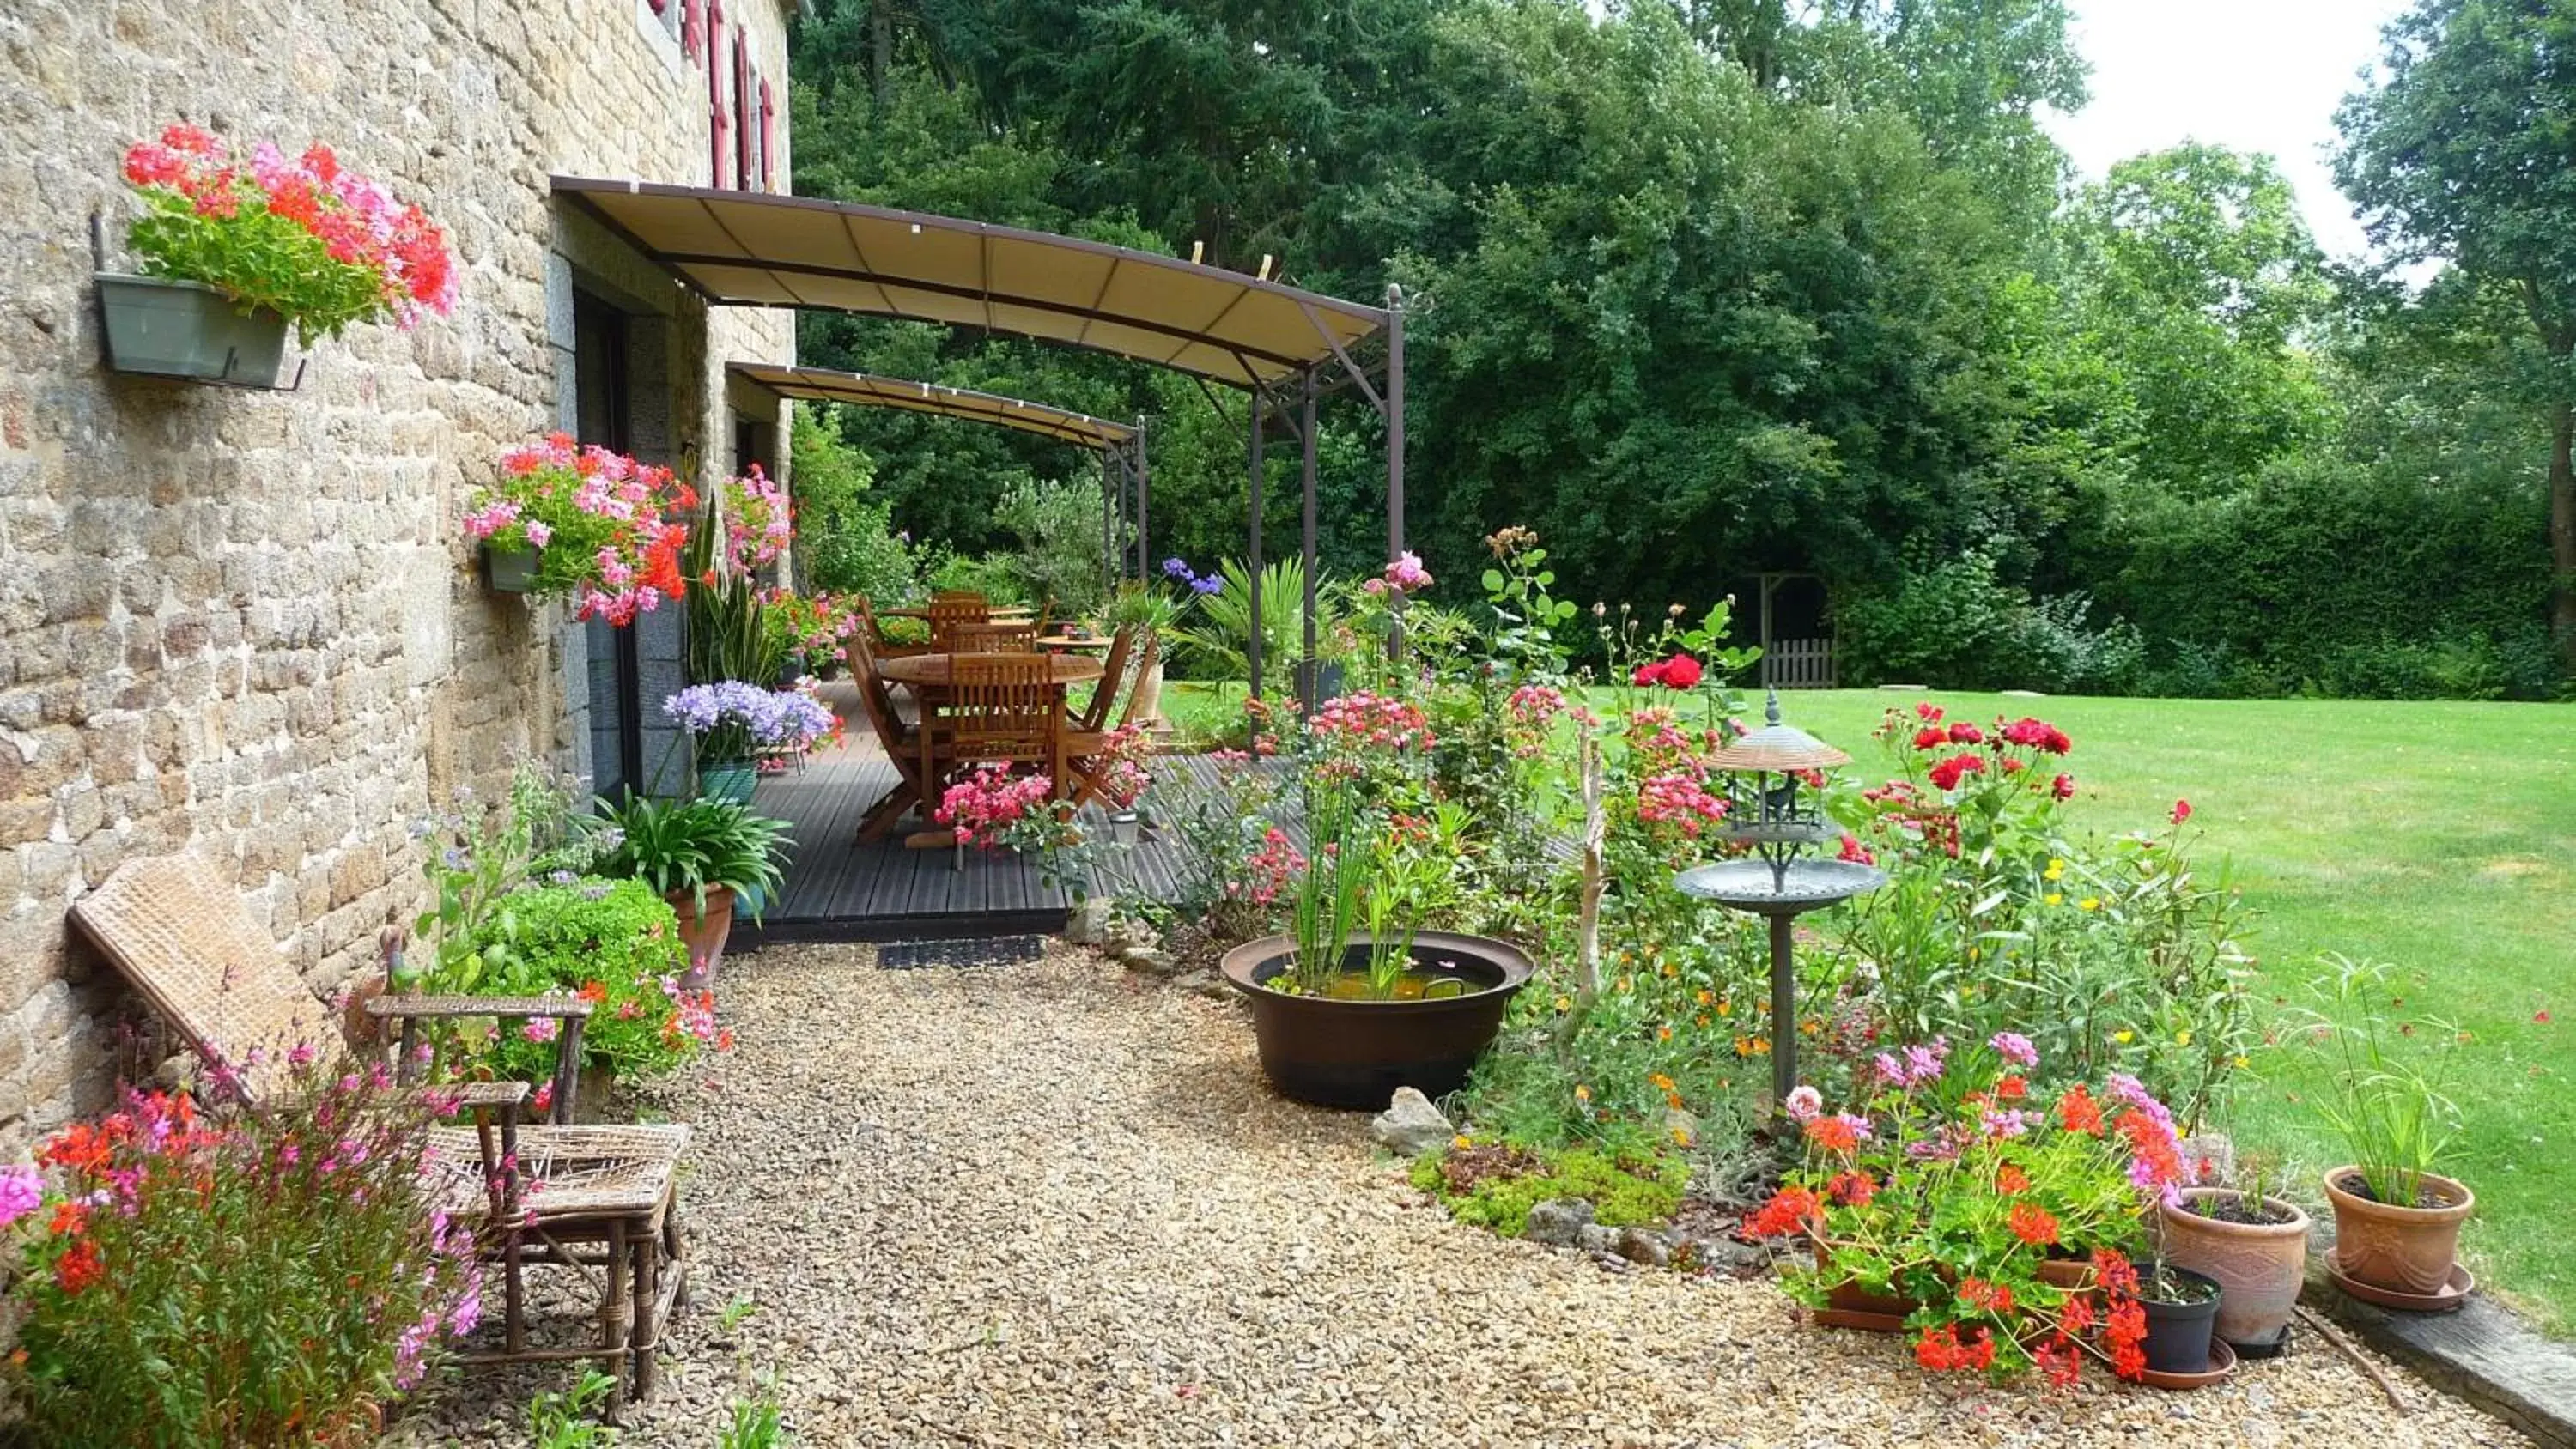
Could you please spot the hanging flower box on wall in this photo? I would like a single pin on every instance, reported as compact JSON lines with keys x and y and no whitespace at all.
{"x":170,"y":327}
{"x":510,"y":570}
{"x":233,"y":249}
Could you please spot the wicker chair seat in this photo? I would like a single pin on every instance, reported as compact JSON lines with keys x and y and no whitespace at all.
{"x":573,"y":1172}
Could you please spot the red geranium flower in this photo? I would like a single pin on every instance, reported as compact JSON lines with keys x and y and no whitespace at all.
{"x":1790,"y":1210}
{"x":79,"y":1268}
{"x":2033,"y":1224}
{"x":1853,"y":1189}
{"x":2078,"y":1112}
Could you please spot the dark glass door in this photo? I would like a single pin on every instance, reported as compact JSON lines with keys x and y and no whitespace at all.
{"x":604,"y":415}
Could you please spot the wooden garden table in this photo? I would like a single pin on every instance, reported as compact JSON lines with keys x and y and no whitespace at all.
{"x":930,"y":671}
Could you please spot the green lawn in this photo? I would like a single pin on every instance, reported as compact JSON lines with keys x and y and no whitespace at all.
{"x":2438,"y":837}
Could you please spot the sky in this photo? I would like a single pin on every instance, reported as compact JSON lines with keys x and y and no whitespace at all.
{"x":2253,"y":75}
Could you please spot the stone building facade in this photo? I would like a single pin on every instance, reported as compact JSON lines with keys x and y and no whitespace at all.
{"x":244,"y":623}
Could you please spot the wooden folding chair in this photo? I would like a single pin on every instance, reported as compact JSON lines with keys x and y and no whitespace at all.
{"x":599,"y":1198}
{"x":900,"y":743}
{"x":992,"y":638}
{"x":998,"y":707}
{"x":879,"y":644}
{"x":1083,"y":746}
{"x":1113,"y":673}
{"x":948,"y":611}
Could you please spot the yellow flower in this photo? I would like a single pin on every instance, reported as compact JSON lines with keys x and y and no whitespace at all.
{"x":2242,"y":1061}
{"x":1704,"y":997}
{"x":1582,"y":1093}
{"x":1663,"y":1033}
{"x":1700,"y":1020}
{"x":2183,"y":1037}
{"x":2124,"y":1036}
{"x":2056,"y":869}
{"x":1726,"y":1008}
{"x":2089,"y":903}
{"x":1671,"y":970}
{"x":2054,"y":898}
{"x":1565,"y":1003}
{"x":1682,"y":1136}
{"x":1626,"y":981}
{"x":1462,"y":1140}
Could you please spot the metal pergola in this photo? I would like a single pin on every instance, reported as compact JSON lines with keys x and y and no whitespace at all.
{"x":1283,"y":345}
{"x":1121,"y":446}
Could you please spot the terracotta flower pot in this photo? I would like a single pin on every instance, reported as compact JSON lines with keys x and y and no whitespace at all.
{"x":2258,"y":1265}
{"x":1849,"y":1305}
{"x":704,"y":935}
{"x":2408,"y":1249}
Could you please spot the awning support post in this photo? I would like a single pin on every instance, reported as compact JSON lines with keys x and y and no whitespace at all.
{"x":1144,"y":500}
{"x":1309,"y":675}
{"x":1252,"y":634}
{"x":1395,"y":452}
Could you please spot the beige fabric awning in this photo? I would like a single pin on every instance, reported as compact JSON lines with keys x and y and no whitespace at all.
{"x":867,"y":390}
{"x":753,"y":249}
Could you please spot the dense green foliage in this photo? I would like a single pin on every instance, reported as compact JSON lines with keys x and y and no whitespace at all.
{"x":1623,"y":1188}
{"x":1701,"y":291}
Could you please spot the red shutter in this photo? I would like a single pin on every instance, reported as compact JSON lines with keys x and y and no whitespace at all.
{"x":693,"y":26}
{"x":768,"y":140}
{"x":715,"y":93}
{"x":743,"y":120}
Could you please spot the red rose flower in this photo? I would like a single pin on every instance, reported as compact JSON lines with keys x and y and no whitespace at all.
{"x":2063,"y":787}
{"x":1928,"y":738}
{"x":1964,"y":733}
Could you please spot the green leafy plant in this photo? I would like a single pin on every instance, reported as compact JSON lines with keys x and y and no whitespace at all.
{"x":1218,"y":645}
{"x":728,"y":635}
{"x":2388,"y":1103}
{"x":1495,"y":1186}
{"x":754,"y":1423}
{"x":565,"y":1420}
{"x":475,"y":859}
{"x":690,"y":846}
{"x":255,"y":1281}
{"x":615,"y":944}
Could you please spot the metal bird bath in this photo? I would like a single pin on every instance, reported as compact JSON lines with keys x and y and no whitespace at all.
{"x":1774,"y":807}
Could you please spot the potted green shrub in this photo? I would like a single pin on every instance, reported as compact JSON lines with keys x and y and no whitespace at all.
{"x":2397,"y":1222}
{"x":616,"y":944}
{"x":233,"y":250}
{"x":697,"y":854}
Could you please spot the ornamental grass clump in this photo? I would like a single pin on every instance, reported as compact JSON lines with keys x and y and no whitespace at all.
{"x":265,"y":1280}
{"x":305,"y":237}
{"x":2000,"y":1212}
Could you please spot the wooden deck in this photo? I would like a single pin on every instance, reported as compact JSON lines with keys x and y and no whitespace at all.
{"x":841,"y":890}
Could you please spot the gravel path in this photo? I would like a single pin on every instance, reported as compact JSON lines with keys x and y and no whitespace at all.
{"x":1046,"y":1204}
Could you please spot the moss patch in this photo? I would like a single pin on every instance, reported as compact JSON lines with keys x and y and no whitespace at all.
{"x":1495,"y":1187}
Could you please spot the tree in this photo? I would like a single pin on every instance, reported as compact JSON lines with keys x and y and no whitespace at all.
{"x":2458,"y":151}
{"x":2191,"y":273}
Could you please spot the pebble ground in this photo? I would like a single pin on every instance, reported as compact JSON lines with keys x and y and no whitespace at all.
{"x":1053,"y":1204}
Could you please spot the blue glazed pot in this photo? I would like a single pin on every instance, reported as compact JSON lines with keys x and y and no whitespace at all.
{"x":727,"y":780}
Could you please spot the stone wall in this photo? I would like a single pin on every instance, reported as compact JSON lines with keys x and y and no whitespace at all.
{"x":244,"y":623}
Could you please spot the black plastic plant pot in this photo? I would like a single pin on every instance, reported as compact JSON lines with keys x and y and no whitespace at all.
{"x":2178,"y":1334}
{"x":1354,"y":1054}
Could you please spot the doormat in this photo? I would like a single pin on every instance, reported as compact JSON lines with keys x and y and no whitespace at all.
{"x":996,"y":951}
